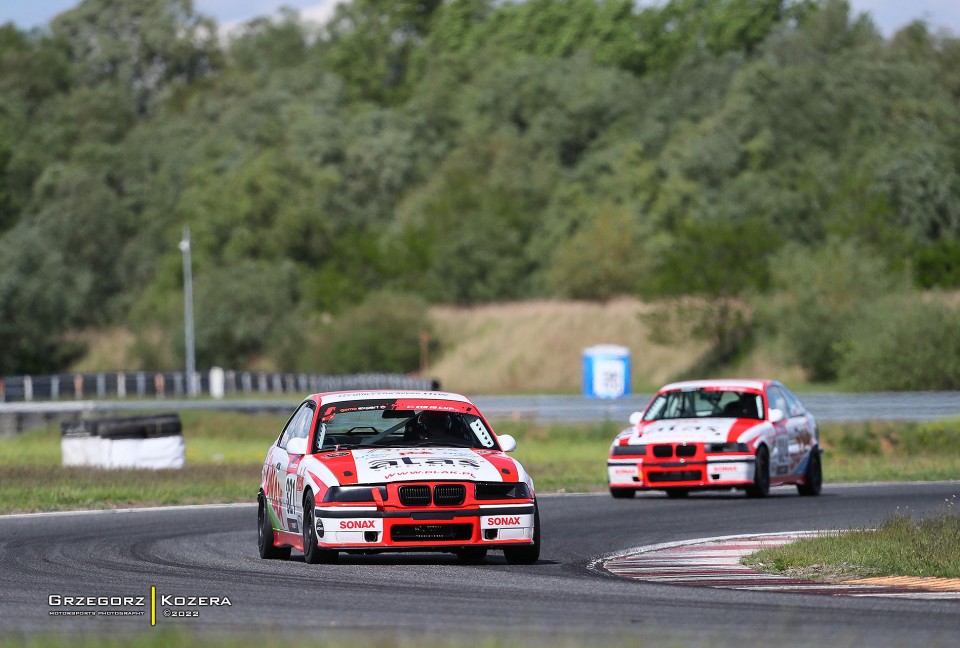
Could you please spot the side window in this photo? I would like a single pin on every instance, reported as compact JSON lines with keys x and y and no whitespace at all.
{"x":304,"y":430}
{"x":295,"y":424}
{"x":796,"y":407}
{"x":776,"y":400}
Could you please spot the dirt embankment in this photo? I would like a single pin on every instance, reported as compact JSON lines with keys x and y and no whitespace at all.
{"x":536,"y":346}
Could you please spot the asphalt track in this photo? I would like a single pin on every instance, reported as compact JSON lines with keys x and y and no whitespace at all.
{"x":211,"y":551}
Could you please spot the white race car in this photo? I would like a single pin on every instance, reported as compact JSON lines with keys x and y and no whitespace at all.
{"x":394,"y":471}
{"x":710,"y":434}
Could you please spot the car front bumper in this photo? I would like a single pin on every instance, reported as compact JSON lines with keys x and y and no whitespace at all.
{"x":368,"y":528}
{"x":715,"y":471}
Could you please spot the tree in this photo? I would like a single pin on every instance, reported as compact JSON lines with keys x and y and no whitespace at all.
{"x":370,"y":44}
{"x":142,"y":46}
{"x":41,"y":297}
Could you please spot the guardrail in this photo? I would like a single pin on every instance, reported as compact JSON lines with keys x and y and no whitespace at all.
{"x":173,"y":384}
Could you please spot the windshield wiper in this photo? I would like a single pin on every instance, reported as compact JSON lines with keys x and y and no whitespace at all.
{"x":438,"y":444}
{"x":341,"y":446}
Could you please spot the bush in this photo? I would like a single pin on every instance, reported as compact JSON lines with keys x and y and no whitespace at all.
{"x":381,"y":334}
{"x":246,"y":310}
{"x":823,"y":294}
{"x":903,"y":343}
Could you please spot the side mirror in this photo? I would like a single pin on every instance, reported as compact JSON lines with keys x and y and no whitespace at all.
{"x":776,"y":415}
{"x":635,"y":418}
{"x":507,"y":443}
{"x":297,"y":446}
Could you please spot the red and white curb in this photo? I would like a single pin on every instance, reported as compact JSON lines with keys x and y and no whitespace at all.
{"x":715,"y":562}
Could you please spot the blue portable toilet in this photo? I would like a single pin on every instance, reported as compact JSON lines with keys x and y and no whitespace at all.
{"x":606,"y":371}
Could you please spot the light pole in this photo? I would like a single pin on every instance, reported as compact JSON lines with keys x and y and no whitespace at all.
{"x":188,"y":309}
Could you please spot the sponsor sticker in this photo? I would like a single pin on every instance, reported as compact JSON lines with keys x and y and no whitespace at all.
{"x":356,"y":524}
{"x":505,"y":521}
{"x":723,"y":468}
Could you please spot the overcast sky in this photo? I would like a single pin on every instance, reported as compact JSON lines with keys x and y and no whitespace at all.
{"x":889,"y":15}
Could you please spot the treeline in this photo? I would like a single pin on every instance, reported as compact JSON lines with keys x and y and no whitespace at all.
{"x":337,"y":180}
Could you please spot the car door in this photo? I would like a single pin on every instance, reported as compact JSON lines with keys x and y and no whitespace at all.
{"x":801,"y":428}
{"x":780,"y":453}
{"x":286,"y":465}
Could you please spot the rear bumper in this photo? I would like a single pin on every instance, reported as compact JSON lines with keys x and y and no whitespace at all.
{"x":367,"y":528}
{"x":716,"y":471}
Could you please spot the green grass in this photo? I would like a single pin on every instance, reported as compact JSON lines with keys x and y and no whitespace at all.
{"x":225,"y":452}
{"x":902,"y":546}
{"x":571,"y":458}
{"x":891,"y":451}
{"x":224,"y":456}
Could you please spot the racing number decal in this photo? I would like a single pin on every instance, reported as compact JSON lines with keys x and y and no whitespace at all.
{"x":290,"y":493}
{"x":781,"y":446}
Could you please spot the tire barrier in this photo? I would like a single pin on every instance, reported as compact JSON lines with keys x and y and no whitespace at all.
{"x":172,"y":384}
{"x":127,"y":427}
{"x":153,"y":441}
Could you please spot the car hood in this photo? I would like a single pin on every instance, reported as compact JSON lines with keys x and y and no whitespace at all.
{"x":696,"y":430}
{"x":384,"y":465}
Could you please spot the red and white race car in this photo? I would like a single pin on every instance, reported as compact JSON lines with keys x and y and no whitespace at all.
{"x":708,"y":434}
{"x":380,"y":471}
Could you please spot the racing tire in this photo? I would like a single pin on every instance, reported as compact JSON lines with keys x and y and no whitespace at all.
{"x":265,"y":534}
{"x":677,"y":493}
{"x":813,"y":479}
{"x":312,"y":554}
{"x":761,"y":475}
{"x":471,"y":555}
{"x":526,"y":554}
{"x":623,"y":493}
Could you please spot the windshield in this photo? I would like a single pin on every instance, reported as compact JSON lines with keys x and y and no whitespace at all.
{"x":389,"y":423}
{"x":697,"y":403}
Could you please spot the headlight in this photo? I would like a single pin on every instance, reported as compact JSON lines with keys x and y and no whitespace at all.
{"x":619,"y":450}
{"x":354,"y":493}
{"x":726,"y":447}
{"x":499,"y":490}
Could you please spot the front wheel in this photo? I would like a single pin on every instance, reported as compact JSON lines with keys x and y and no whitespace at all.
{"x":813,"y":480}
{"x":526,"y":554}
{"x":677,"y":493}
{"x":761,"y":475}
{"x":265,"y":533}
{"x":622,"y":493}
{"x":313,"y":554}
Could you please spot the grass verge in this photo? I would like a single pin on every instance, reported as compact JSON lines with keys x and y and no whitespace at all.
{"x":225,"y":452}
{"x":902,"y":546}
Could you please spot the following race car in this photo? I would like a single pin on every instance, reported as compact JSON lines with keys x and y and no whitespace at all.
{"x":373,"y":471}
{"x":713,"y":434}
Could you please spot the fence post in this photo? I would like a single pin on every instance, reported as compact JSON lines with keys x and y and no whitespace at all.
{"x":121,"y":385}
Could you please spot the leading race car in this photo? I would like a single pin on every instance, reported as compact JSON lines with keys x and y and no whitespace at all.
{"x":710,"y":434}
{"x":380,"y":471}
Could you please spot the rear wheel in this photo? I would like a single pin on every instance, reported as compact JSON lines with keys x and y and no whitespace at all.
{"x":813,"y":480}
{"x":761,"y":476}
{"x":526,"y":554}
{"x":265,"y":534}
{"x":311,"y":552}
{"x":622,"y":493}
